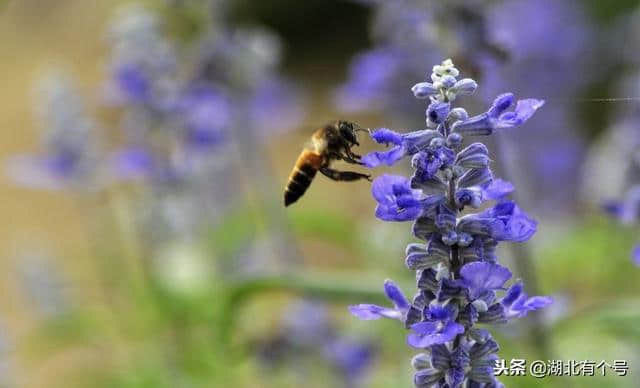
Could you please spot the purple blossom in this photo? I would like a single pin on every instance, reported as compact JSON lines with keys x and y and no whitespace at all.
{"x":517,"y":303}
{"x":133,"y":83}
{"x":440,"y":328}
{"x":457,"y":272}
{"x":497,"y":190}
{"x":404,"y":144}
{"x":497,"y":117}
{"x":513,"y":224}
{"x":480,"y":276}
{"x":353,"y":358}
{"x":370,"y":311}
{"x":207,"y":116}
{"x":133,"y":163}
{"x":69,"y":141}
{"x":428,"y":162}
{"x":397,"y":201}
{"x":307,"y":330}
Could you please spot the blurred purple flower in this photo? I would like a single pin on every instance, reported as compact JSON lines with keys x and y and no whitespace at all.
{"x":207,"y":114}
{"x":70,"y":145}
{"x":635,"y":254}
{"x":307,"y":331}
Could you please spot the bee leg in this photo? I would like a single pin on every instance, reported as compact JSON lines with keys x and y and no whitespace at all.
{"x":343,"y":175}
{"x":353,"y":155}
{"x":352,"y":158}
{"x":349,"y":159}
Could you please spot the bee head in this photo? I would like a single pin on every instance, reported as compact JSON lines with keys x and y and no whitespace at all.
{"x":347,"y":130}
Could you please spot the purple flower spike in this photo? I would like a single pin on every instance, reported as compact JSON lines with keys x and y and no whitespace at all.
{"x":457,"y":272}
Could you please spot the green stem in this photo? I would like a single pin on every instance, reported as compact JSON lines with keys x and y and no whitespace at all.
{"x":328,"y":288}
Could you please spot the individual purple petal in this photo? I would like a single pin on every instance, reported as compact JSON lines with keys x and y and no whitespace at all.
{"x":497,"y":117}
{"x":517,"y":303}
{"x":513,"y":293}
{"x":371,"y":311}
{"x":384,"y":135}
{"x":500,"y":104}
{"x":368,"y":312}
{"x":481,"y":276}
{"x":523,"y":112}
{"x":518,"y":227}
{"x":377,"y":158}
{"x":430,"y":333}
{"x":497,"y":190}
{"x":439,"y":313}
{"x":537,"y":302}
{"x":395,"y":295}
{"x":396,"y":200}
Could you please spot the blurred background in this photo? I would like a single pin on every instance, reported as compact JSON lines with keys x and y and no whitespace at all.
{"x":145,"y":147}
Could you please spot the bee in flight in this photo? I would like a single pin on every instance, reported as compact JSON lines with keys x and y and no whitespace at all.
{"x":329,"y":143}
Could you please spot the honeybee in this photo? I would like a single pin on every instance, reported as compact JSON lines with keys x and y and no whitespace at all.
{"x":329,"y":143}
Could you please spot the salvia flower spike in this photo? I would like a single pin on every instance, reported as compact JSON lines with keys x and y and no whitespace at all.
{"x":460,"y":282}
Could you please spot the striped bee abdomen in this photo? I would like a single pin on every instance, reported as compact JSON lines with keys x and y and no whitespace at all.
{"x":301,"y":176}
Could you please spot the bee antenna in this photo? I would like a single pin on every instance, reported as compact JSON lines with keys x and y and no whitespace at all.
{"x":360,"y":128}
